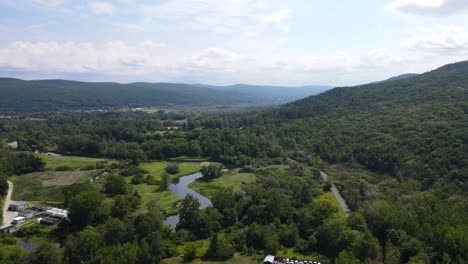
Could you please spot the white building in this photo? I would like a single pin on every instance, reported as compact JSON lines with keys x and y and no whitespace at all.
{"x":18,"y":220}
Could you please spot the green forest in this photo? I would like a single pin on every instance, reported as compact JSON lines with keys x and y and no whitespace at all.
{"x":396,"y":150}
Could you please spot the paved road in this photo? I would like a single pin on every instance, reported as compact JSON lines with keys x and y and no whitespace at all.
{"x":337,"y":195}
{"x":8,"y":215}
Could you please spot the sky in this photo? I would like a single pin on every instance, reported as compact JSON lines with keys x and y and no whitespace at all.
{"x":223,"y":42}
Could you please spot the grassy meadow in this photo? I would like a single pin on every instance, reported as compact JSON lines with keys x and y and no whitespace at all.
{"x":73,"y":162}
{"x":46,"y":187}
{"x":231,"y":179}
{"x":237,"y":259}
{"x":156,"y":168}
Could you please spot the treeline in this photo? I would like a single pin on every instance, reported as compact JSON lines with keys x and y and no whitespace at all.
{"x":137,"y":137}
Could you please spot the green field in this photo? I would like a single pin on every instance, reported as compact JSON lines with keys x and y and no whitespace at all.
{"x":75,"y":163}
{"x":156,"y":169}
{"x":237,"y":259}
{"x":46,"y":186}
{"x":167,"y":200}
{"x":232,"y":179}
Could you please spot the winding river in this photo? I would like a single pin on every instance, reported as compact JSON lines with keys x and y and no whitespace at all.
{"x":181,"y":189}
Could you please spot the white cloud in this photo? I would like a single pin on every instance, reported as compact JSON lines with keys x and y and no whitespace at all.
{"x":277,"y":17}
{"x":34,"y":3}
{"x":153,"y":61}
{"x":101,"y":7}
{"x":49,"y":3}
{"x":111,"y":58}
{"x":440,"y":40}
{"x":427,"y":7}
{"x":226,"y":17}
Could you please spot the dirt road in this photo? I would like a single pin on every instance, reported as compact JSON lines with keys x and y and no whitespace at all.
{"x":337,"y":195}
{"x":8,"y":215}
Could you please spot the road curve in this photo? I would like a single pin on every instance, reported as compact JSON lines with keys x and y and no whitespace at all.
{"x":8,"y":215}
{"x":337,"y":195}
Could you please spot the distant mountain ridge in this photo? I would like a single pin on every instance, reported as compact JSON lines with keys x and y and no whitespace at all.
{"x":447,"y":84}
{"x":56,"y":95}
{"x":402,"y":76}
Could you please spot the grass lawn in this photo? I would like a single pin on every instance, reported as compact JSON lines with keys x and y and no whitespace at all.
{"x":233,"y":179}
{"x":45,"y":187}
{"x":75,"y":163}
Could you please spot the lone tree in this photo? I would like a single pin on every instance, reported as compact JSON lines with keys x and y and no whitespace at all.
{"x":172,"y":168}
{"x":165,"y":181}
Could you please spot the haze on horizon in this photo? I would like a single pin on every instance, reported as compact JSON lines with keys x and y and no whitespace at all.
{"x":225,"y":42}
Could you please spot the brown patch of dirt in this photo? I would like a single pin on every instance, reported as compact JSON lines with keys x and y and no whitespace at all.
{"x":60,"y":178}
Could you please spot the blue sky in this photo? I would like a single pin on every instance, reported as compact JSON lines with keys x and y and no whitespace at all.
{"x":276,"y":42}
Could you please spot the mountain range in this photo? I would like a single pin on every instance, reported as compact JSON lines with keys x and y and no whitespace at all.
{"x":55,"y":95}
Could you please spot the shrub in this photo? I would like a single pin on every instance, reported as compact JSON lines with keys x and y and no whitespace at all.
{"x":172,"y":168}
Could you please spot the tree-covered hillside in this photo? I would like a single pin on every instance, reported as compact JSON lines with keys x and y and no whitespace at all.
{"x":55,"y":95}
{"x":415,"y":127}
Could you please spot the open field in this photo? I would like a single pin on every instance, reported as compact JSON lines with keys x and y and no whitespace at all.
{"x":45,"y":186}
{"x":237,"y":259}
{"x":167,"y":200}
{"x":73,"y":162}
{"x":231,"y":179}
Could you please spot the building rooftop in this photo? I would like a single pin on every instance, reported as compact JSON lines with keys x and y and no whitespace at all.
{"x":279,"y":260}
{"x":18,"y":203}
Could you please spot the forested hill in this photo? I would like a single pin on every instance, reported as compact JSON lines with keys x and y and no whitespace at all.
{"x":53,"y":95}
{"x":411,"y":128}
{"x":446,"y":85}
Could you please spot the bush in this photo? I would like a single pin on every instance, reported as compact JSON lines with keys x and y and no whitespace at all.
{"x":172,"y":168}
{"x":190,"y":252}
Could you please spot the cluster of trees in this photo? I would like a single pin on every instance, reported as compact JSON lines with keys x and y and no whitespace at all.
{"x":282,"y":211}
{"x":212,"y":171}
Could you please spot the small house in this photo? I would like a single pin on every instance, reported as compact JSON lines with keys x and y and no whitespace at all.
{"x":49,"y":221}
{"x":28,"y":214}
{"x":269,"y":259}
{"x":56,"y":213}
{"x":18,"y":206}
{"x":9,"y":229}
{"x":18,"y":220}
